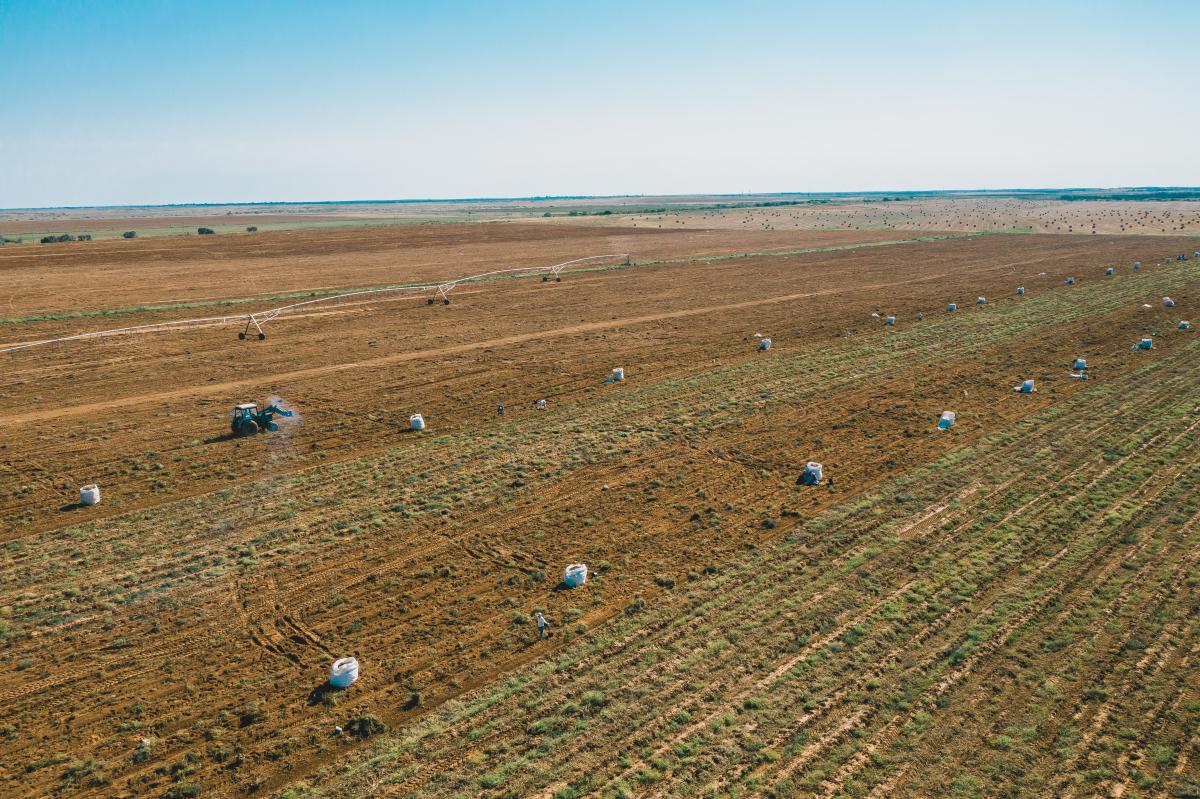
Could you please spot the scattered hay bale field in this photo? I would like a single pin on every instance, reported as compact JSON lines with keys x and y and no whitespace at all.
{"x":1006,"y":608}
{"x":1091,"y":217}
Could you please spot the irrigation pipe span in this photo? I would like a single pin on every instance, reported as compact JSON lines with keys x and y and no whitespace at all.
{"x":260,"y":318}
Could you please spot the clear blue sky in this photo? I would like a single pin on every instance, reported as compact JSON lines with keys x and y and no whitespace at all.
{"x":156,"y":102}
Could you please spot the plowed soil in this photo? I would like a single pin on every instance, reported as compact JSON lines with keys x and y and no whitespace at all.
{"x":83,"y":277}
{"x":180,"y":633}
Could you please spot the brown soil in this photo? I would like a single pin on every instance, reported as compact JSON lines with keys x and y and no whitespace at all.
{"x":201,"y":603}
{"x":82,"y":276}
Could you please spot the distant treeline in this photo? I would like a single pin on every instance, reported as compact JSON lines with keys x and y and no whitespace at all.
{"x":65,"y":237}
{"x":1140,"y":195}
{"x":768,"y":204}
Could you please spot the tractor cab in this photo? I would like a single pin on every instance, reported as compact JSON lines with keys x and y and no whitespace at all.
{"x":243,"y":422}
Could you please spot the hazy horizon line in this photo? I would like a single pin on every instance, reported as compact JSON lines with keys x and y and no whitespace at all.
{"x":552,"y":197}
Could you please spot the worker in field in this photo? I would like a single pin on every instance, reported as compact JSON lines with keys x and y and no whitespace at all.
{"x":541,"y":623}
{"x":500,"y":409}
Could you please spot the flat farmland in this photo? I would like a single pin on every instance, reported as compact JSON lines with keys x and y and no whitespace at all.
{"x":1012,"y":601}
{"x":73,"y":280}
{"x":1079,"y":216}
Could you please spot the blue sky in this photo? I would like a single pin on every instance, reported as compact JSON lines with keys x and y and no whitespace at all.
{"x":160,"y":102}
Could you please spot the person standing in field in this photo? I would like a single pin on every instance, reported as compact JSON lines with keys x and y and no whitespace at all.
{"x":500,"y":409}
{"x":541,"y":623}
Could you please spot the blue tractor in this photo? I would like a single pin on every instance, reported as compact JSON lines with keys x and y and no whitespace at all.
{"x":247,"y":420}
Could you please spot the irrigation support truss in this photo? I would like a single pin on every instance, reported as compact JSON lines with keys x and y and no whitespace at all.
{"x":257,"y":319}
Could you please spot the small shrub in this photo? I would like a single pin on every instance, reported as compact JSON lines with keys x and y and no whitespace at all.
{"x":129,"y":234}
{"x":251,"y":714}
{"x":365,"y":726}
{"x":205,"y":231}
{"x":252,"y":229}
{"x":593,"y":699}
{"x":143,"y":752}
{"x":85,"y":772}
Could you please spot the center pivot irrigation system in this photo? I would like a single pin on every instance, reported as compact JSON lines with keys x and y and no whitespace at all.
{"x":256,"y":320}
{"x":441,"y":290}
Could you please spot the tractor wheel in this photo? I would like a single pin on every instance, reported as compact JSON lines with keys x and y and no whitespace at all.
{"x":248,"y":427}
{"x":558,"y":280}
{"x":429,"y":301}
{"x":241,"y":336}
{"x":545,"y":279}
{"x":446,"y":302}
{"x":262,"y":336}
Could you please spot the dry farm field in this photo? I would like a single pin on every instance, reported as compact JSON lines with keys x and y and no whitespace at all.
{"x":1006,"y":608}
{"x":1091,"y":217}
